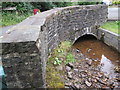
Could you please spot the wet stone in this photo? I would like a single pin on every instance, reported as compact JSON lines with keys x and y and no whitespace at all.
{"x":94,"y":80}
{"x":94,"y":54}
{"x":87,"y":59}
{"x":68,"y":83}
{"x":83,"y":75}
{"x":88,"y":50}
{"x":89,"y":62}
{"x":67,"y":87}
{"x":99,"y":74}
{"x":116,"y":68}
{"x":88,"y":83}
{"x":81,"y":70}
{"x":95,"y":60}
{"x":76,"y":70}
{"x":77,"y":50}
{"x":26,"y":63}
{"x":117,"y":61}
{"x":102,"y":82}
{"x":86,"y":66}
{"x":118,"y":77}
{"x":76,"y":79}
{"x":76,"y":85}
{"x":68,"y":68}
{"x":69,"y":75}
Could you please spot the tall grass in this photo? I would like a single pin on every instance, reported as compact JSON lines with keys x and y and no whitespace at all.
{"x":11,"y":18}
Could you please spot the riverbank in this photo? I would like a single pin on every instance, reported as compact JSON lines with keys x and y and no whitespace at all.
{"x":97,"y":66}
{"x":112,"y":26}
{"x":85,"y":71}
{"x":83,"y":74}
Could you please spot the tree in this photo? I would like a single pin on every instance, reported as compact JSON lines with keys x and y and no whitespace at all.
{"x":20,"y":6}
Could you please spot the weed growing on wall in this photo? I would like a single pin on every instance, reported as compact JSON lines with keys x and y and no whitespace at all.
{"x":57,"y":60}
{"x":62,"y":54}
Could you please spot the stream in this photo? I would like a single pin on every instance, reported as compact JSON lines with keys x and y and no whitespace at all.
{"x":101,"y":54}
{"x":97,"y":65}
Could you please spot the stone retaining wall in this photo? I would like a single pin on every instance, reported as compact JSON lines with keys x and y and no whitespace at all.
{"x":110,"y":38}
{"x":26,"y":46}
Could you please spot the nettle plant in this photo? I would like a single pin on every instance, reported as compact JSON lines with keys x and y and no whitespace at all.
{"x":62,"y":54}
{"x":57,"y":61}
{"x":69,"y":58}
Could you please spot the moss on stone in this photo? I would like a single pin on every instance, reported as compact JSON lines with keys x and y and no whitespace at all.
{"x":54,"y":76}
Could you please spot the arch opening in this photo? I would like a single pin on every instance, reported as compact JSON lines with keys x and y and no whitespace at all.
{"x":86,"y":37}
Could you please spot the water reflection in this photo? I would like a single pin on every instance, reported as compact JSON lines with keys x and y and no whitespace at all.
{"x":107,"y":67}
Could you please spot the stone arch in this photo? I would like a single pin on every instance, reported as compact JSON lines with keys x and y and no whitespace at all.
{"x":89,"y":31}
{"x":39,"y":34}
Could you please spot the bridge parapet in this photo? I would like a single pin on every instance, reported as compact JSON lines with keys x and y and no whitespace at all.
{"x":25,"y":48}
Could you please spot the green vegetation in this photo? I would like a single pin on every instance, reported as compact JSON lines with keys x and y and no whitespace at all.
{"x":112,"y":26}
{"x":10,"y":17}
{"x":53,"y":77}
{"x":69,"y":58}
{"x":115,"y":2}
{"x":20,"y":6}
{"x":25,"y":9}
{"x":13,"y":18}
{"x":62,"y":54}
{"x":59,"y":57}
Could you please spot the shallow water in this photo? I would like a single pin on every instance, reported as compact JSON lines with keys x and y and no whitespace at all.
{"x":101,"y":54}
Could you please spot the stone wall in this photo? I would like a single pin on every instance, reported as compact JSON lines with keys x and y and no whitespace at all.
{"x":71,"y":23}
{"x":26,"y":46}
{"x":21,"y":63}
{"x":110,"y":38}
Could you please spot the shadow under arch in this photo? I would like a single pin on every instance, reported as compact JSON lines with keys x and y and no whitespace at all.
{"x":86,"y":37}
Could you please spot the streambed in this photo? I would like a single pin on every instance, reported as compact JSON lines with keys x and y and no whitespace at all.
{"x":97,"y":65}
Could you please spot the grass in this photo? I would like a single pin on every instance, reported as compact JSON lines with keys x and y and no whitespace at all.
{"x":113,"y":26}
{"x":62,"y":54}
{"x":59,"y":57}
{"x":11,"y":18}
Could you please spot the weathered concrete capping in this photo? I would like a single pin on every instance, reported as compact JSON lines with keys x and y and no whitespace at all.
{"x":25,"y":47}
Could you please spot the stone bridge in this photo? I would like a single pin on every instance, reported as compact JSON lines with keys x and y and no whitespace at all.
{"x":26,"y":46}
